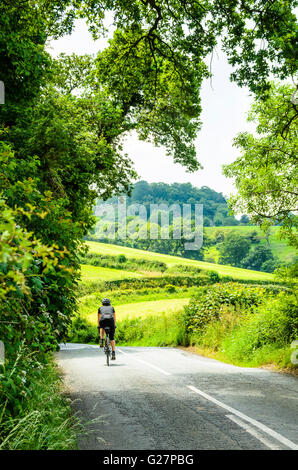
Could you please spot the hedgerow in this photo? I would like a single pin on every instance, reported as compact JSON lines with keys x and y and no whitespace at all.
{"x":122,"y":262}
{"x":207,"y":305}
{"x":30,"y":272}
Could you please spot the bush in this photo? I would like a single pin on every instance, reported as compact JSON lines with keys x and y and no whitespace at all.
{"x":183,"y":268}
{"x":213,"y":276}
{"x":270,"y":265}
{"x":272,"y":325}
{"x":170,"y":288}
{"x":82,"y":332}
{"x":156,"y":330}
{"x":209,"y":302}
{"x":30,"y":277}
{"x":216,"y":330}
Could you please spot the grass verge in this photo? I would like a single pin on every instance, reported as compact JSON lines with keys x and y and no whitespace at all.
{"x":45,"y":421}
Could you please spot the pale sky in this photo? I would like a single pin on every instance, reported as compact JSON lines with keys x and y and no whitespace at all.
{"x":224,"y":115}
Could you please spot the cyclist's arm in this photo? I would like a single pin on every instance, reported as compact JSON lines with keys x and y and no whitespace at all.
{"x":98,"y":315}
{"x":114,"y":316}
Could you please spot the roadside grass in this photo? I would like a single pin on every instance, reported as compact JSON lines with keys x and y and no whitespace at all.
{"x":46,"y":421}
{"x":150,"y":330}
{"x":252,"y":338}
{"x":171,"y":261}
{"x":272,"y":356}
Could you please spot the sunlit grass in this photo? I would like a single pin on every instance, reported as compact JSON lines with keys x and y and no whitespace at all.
{"x":143,"y":309}
{"x":90,"y":303}
{"x":95,"y":273}
{"x":223,"y":270}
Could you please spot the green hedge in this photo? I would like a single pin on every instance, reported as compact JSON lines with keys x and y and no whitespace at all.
{"x":265,"y":334}
{"x":122,"y":262}
{"x":207,"y":304}
{"x":148,"y":282}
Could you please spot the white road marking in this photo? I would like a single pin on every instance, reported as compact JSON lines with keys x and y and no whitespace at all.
{"x":145,"y":362}
{"x":253,"y":432}
{"x":72,"y":346}
{"x":252,"y":421}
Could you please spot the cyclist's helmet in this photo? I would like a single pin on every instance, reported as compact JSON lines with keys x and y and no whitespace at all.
{"x":106,"y":302}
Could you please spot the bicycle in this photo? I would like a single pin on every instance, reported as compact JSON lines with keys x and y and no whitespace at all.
{"x":107,"y":347}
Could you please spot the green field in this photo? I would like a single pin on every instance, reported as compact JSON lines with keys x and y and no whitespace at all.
{"x":143,"y":309}
{"x":223,"y":270}
{"x":94,"y":273}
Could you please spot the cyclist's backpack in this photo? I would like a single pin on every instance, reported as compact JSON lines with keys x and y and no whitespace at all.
{"x":106,"y":311}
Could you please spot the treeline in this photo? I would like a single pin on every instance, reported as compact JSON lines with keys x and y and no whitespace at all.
{"x":216,"y":211}
{"x":232,"y":248}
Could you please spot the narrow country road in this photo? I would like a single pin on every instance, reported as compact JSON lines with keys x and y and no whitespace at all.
{"x":166,"y":398}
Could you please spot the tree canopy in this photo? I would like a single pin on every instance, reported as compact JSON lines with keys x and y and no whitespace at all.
{"x":64,"y":120}
{"x":266,"y":173}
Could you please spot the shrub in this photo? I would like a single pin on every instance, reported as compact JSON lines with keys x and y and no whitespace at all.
{"x":86,"y":288}
{"x":215,"y":331}
{"x":274,"y":324}
{"x":209,"y":301}
{"x":30,"y":276}
{"x":82,"y":332}
{"x":170,"y":288}
{"x":156,"y":330}
{"x":213,"y":276}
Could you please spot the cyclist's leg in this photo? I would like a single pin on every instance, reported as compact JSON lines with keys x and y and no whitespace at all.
{"x":112,"y":338}
{"x":101,"y":333}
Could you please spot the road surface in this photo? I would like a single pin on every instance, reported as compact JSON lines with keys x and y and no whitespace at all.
{"x":167,"y":398}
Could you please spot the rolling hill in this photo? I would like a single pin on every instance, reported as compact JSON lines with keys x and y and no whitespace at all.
{"x":223,"y":270}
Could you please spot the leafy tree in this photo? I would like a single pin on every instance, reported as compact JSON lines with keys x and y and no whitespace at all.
{"x":244,"y":219}
{"x":185,"y":32}
{"x":60,"y":149}
{"x":257,"y":257}
{"x":229,"y":221}
{"x":24,"y":62}
{"x":233,"y":249}
{"x":218,"y":221}
{"x":253,"y":237}
{"x":270,"y":265}
{"x":266,"y":172}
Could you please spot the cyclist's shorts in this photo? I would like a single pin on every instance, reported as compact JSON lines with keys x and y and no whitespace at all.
{"x":108,"y":322}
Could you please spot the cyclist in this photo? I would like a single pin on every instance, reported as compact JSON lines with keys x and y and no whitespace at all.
{"x":107,"y":317}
